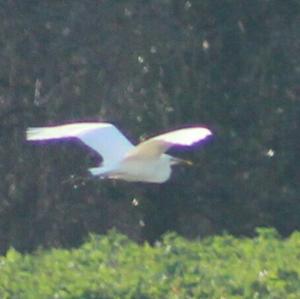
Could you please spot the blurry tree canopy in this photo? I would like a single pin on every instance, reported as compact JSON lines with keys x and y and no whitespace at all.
{"x":149,"y":66}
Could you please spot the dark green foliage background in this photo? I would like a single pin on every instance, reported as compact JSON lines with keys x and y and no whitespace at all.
{"x":150,"y":66}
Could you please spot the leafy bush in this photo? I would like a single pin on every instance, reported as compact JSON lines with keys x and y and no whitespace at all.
{"x":113,"y":266}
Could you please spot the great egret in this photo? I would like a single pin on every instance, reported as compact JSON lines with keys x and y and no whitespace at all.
{"x":146,"y":162}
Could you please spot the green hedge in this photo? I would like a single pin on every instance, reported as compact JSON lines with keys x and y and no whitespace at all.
{"x":112,"y":266}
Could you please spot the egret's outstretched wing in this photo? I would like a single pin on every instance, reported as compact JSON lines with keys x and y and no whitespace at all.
{"x":158,"y":145}
{"x":104,"y":138}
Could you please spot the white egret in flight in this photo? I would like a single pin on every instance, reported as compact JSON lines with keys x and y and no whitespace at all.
{"x":145,"y":162}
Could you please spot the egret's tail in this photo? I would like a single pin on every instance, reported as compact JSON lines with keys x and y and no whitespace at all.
{"x":96,"y":171}
{"x":100,"y":171}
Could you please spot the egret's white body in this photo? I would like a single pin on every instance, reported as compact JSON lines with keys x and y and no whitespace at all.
{"x":146,"y":162}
